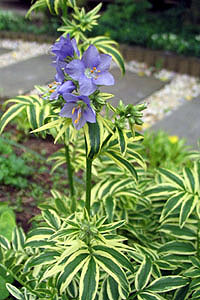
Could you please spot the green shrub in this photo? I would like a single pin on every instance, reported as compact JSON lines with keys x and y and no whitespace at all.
{"x":161,"y":150}
{"x":13,"y":22}
{"x":132,"y":22}
{"x":13,"y":169}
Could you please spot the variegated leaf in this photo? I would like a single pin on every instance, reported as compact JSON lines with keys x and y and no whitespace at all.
{"x":167,"y":283}
{"x":178,"y":247}
{"x":173,"y":178}
{"x":94,"y":138}
{"x":122,"y":162}
{"x":143,"y":274}
{"x":18,"y":239}
{"x":52,"y":218}
{"x":72,"y":266}
{"x":149,"y":296}
{"x":187,"y":208}
{"x":112,"y":267}
{"x":172,"y":203}
{"x":89,"y":280}
{"x":10,"y":114}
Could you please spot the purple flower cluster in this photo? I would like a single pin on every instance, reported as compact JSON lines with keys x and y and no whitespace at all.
{"x":86,"y":74}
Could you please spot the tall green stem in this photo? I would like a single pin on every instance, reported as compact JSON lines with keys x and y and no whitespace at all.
{"x":198,"y":240}
{"x":70,"y":178}
{"x":88,"y":184}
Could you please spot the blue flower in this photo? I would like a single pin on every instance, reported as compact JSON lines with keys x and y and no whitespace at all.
{"x":63,"y":49}
{"x":91,"y":71}
{"x":56,"y":89}
{"x":78,"y":108}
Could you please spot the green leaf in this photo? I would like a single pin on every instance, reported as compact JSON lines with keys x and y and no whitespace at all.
{"x":72,"y":289}
{"x":172,"y":177}
{"x":178,"y":247}
{"x":40,"y":233}
{"x":189,"y":180}
{"x":164,"y":265}
{"x":10,"y":114}
{"x":121,"y":259}
{"x":18,"y":239}
{"x":187,"y":208}
{"x":3,"y":290}
{"x":7,"y":223}
{"x":14,"y":291}
{"x":122,"y":140}
{"x":50,"y":4}
{"x":195,"y":261}
{"x":89,"y":280}
{"x":43,"y":259}
{"x":31,"y":114}
{"x":103,"y":292}
{"x":122,"y":162}
{"x":61,"y":206}
{"x":109,"y":207}
{"x":172,"y":203}
{"x":37,"y":5}
{"x":163,"y":189}
{"x":49,"y":125}
{"x":112,"y":289}
{"x":138,"y":158}
{"x":167,"y":283}
{"x":196,"y":173}
{"x":112,"y":267}
{"x":51,"y":218}
{"x":149,"y":296}
{"x":186,"y":233}
{"x":182,"y":293}
{"x":4,"y":242}
{"x":192,"y":273}
{"x":71,"y":3}
{"x":111,"y":226}
{"x":94,"y":138}
{"x":73,"y":265}
{"x":143,"y":274}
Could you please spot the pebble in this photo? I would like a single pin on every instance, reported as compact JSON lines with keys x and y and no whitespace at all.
{"x":178,"y":89}
{"x":21,"y":51}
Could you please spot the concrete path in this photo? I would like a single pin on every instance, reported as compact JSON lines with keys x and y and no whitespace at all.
{"x":4,"y":50}
{"x":21,"y":77}
{"x":132,"y":88}
{"x":183,"y":122}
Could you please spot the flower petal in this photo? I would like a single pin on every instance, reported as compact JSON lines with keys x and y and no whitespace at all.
{"x":91,"y":57}
{"x":89,"y":115}
{"x":63,"y":48}
{"x":80,"y":123}
{"x":70,"y":97}
{"x":87,"y":86}
{"x":105,"y":61}
{"x":104,"y":78}
{"x":66,"y":111}
{"x":75,"y":69}
{"x":66,"y":87}
{"x":74,"y":45}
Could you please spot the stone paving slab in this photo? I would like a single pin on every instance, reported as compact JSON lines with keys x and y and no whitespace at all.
{"x":183,"y":122}
{"x":21,"y":77}
{"x":4,"y":50}
{"x":132,"y":88}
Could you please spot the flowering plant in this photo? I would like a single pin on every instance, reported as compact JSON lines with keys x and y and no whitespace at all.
{"x":112,"y":237}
